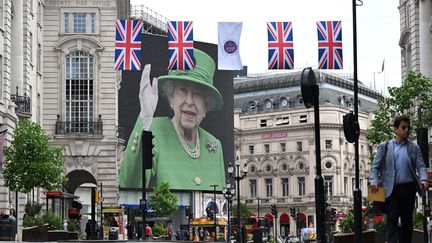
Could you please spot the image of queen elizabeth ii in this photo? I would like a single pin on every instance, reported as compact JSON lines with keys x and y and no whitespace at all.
{"x":185,"y":155}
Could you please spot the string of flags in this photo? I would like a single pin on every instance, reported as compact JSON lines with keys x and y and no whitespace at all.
{"x":181,"y":44}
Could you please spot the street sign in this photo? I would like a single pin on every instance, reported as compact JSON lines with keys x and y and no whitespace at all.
{"x":142,"y":203}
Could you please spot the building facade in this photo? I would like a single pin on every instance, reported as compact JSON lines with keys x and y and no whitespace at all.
{"x":275,"y":139}
{"x":80,"y":92}
{"x":20,"y":77}
{"x":415,"y":36}
{"x":416,"y":39}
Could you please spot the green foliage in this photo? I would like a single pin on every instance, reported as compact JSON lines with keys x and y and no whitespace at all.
{"x":380,"y":227}
{"x":32,"y":221}
{"x":159,"y":230}
{"x":31,"y":161}
{"x":244,"y":211}
{"x":415,"y":92}
{"x":418,"y":218}
{"x":346,"y":225}
{"x":54,"y":222}
{"x":32,"y":209}
{"x":163,"y":202}
{"x":72,"y":225}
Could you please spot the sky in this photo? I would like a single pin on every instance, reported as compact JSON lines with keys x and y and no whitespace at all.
{"x":378,"y":31}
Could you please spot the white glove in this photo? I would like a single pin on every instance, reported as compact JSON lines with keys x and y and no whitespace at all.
{"x":148,"y":97}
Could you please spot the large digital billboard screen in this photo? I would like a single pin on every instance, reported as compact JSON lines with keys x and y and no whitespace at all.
{"x":192,"y":123}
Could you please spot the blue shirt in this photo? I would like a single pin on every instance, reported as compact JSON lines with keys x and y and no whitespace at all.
{"x":402,"y":170}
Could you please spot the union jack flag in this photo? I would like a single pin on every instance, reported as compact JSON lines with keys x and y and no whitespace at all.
{"x":330,"y":45}
{"x":128,"y":45}
{"x":280,"y":45}
{"x":180,"y":45}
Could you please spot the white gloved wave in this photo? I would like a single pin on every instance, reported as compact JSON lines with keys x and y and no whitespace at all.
{"x":148,"y":97}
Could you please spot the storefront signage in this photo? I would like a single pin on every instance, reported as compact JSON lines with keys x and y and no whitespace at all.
{"x":274,"y":135}
{"x":88,"y":3}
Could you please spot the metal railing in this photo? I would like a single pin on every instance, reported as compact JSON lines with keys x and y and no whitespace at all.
{"x":79,"y":127}
{"x":154,"y":23}
{"x":23,"y":103}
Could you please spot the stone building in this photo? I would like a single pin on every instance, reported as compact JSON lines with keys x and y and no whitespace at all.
{"x":80,"y":92}
{"x":275,"y":138}
{"x":415,"y":37}
{"x":20,"y":77}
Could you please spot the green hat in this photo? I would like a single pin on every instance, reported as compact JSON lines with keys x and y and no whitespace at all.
{"x":202,"y":74}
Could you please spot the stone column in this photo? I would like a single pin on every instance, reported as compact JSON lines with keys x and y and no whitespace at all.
{"x":17,"y":52}
{"x":425,"y":9}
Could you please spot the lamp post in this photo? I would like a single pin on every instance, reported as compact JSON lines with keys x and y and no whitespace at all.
{"x":258,"y":199}
{"x":214,"y":210}
{"x":238,"y":176}
{"x":228,"y":192}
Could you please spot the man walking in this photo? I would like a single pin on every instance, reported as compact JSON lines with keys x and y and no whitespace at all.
{"x":402,"y":161}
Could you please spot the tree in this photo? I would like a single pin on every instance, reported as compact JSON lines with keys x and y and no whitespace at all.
{"x":31,"y":161}
{"x":412,"y":99}
{"x":163,"y":202}
{"x":244,"y":211}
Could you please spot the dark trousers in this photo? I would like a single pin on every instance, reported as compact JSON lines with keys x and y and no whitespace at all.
{"x":400,"y":204}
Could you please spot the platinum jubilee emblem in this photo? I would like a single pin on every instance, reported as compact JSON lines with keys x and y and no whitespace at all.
{"x":230,"y":47}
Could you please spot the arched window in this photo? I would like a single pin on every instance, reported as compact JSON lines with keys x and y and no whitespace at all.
{"x":79,"y":92}
{"x":268,"y":168}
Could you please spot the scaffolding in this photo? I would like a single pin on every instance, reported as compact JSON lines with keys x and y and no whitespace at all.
{"x":154,"y":23}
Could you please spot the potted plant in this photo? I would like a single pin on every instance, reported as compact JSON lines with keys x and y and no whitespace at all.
{"x":346,"y":227}
{"x":55,"y":227}
{"x":73,"y":229}
{"x":34,"y":227}
{"x":159,"y":231}
{"x":418,"y":218}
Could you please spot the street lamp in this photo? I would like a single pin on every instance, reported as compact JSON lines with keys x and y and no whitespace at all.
{"x":228,"y":192}
{"x":214,"y":210}
{"x":238,"y":176}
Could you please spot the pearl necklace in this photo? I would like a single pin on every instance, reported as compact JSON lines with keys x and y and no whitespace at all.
{"x":193,"y":153}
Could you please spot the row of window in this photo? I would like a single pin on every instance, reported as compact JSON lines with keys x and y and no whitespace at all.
{"x":270,"y":104}
{"x":282,"y":147}
{"x":301,"y":186}
{"x":281,"y":121}
{"x":79,"y":23}
{"x":284,"y":167}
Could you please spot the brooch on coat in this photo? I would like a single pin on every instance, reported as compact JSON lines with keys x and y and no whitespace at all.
{"x":211,"y":146}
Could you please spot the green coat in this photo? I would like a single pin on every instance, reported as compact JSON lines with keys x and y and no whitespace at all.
{"x":170,"y":162}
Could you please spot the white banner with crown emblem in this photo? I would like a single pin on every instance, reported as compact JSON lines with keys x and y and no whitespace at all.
{"x":228,"y":47}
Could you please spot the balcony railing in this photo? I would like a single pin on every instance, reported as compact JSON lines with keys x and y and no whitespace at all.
{"x":79,"y":127}
{"x":23,"y":103}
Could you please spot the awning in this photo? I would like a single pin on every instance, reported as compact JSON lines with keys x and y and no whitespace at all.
{"x":284,"y":218}
{"x":57,"y":194}
{"x":133,"y":206}
{"x":269,"y":216}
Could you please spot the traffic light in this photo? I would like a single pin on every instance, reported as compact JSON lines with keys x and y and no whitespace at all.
{"x":333,"y":214}
{"x":293,"y":213}
{"x":147,"y":148}
{"x":209,"y":212}
{"x":273,"y":209}
{"x":189,"y":214}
